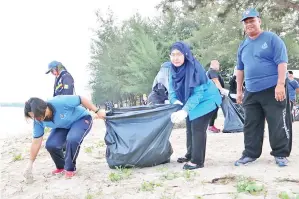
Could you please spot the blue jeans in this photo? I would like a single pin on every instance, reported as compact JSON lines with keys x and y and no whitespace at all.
{"x":71,"y":139}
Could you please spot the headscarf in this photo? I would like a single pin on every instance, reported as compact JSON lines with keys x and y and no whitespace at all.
{"x":189,"y":75}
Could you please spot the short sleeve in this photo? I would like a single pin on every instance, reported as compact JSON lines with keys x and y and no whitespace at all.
{"x":71,"y":100}
{"x":38,"y":129}
{"x":240,"y":65}
{"x":279,"y":50}
{"x":212,"y":74}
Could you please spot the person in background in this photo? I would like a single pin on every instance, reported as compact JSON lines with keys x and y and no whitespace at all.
{"x":262,"y":60}
{"x":190,"y":87}
{"x":109,"y":106}
{"x":64,"y":82}
{"x":214,"y":75}
{"x":159,"y":93}
{"x":233,"y":87}
{"x":144,"y":99}
{"x":293,"y":88}
{"x":70,"y":122}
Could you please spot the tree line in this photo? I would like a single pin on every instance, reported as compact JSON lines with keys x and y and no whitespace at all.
{"x":126,"y":55}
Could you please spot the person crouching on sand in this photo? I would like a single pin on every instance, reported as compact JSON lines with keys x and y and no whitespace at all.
{"x":70,"y":123}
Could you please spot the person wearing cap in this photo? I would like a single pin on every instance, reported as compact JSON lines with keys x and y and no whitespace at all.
{"x":262,"y":61}
{"x":293,"y":88}
{"x":64,"y":82}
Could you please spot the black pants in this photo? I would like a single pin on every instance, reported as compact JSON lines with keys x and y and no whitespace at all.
{"x":262,"y":105}
{"x":196,"y":138}
{"x":214,"y":117}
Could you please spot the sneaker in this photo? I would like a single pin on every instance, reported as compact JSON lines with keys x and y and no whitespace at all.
{"x":69,"y":174}
{"x":57,"y":171}
{"x":213,"y":129}
{"x":281,"y":161}
{"x":244,"y":160}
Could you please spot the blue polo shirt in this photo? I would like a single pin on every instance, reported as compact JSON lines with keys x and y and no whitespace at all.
{"x":292,"y":86}
{"x":67,"y":110}
{"x":259,"y":58}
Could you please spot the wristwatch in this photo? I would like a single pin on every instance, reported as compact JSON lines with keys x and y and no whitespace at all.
{"x":97,"y":110}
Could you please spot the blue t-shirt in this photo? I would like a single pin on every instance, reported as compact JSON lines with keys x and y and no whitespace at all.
{"x":67,"y":110}
{"x":259,"y":58}
{"x":292,"y":86}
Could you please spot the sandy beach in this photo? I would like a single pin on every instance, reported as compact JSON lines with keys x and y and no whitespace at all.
{"x":94,"y":179}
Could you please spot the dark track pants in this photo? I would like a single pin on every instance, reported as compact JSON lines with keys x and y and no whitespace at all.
{"x":71,"y":139}
{"x":262,"y":105}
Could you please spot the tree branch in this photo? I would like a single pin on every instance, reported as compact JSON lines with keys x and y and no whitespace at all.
{"x":288,"y":4}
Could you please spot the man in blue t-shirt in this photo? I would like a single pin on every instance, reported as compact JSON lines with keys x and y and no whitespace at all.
{"x":70,"y":123}
{"x":293,"y":88}
{"x":262,"y":62}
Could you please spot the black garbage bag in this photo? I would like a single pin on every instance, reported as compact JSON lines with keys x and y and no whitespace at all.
{"x":139,"y":136}
{"x":234,"y":116}
{"x":158,"y":95}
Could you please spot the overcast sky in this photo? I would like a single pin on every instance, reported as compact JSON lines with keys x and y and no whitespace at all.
{"x":35,"y":32}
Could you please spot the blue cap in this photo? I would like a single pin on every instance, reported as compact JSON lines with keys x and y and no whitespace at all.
{"x":52,"y":65}
{"x":251,"y":12}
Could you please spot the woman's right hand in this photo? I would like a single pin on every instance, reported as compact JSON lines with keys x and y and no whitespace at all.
{"x":28,"y":172}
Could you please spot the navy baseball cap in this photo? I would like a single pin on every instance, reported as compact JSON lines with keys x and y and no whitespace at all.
{"x":52,"y":65}
{"x":251,"y":12}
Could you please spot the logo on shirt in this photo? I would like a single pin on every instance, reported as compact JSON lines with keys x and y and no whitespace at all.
{"x":264,"y":46}
{"x":61,"y":116}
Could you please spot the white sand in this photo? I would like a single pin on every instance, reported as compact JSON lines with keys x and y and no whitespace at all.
{"x":92,"y":180}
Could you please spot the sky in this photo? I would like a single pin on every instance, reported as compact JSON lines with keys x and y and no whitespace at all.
{"x":34,"y":32}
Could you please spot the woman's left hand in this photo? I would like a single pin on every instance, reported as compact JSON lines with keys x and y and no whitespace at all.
{"x":178,"y":116}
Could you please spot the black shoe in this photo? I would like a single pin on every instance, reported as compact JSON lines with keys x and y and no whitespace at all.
{"x":182,"y":160}
{"x":190,"y":167}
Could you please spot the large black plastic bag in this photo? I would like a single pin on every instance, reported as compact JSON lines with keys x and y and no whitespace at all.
{"x":234,"y":116}
{"x":139,"y":136}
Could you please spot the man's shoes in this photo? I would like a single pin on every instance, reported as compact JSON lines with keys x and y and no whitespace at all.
{"x":244,"y":160}
{"x":281,"y":161}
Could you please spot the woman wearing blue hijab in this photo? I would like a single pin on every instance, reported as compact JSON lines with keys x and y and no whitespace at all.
{"x":190,"y":87}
